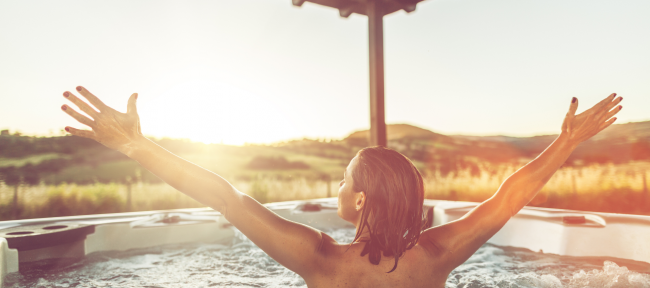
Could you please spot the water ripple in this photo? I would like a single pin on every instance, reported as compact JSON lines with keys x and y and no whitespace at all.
{"x":240,"y":263}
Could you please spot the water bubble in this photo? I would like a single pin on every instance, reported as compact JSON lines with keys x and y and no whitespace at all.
{"x":514,"y":267}
{"x":241,"y":263}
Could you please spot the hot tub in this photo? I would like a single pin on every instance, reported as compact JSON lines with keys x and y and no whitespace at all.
{"x":540,"y":233}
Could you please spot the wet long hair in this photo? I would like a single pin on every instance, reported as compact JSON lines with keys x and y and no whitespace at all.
{"x":394,"y":197}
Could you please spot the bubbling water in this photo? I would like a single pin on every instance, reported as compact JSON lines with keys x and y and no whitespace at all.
{"x":494,"y":266}
{"x":241,"y":263}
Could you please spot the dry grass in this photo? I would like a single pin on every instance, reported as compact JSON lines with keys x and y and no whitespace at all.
{"x":71,"y":199}
{"x":605,"y":188}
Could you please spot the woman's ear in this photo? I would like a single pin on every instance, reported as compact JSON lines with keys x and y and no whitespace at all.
{"x":360,"y":201}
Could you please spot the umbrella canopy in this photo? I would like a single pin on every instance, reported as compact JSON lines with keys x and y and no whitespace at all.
{"x":347,"y":7}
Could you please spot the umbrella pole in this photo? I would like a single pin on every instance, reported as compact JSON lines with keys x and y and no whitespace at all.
{"x":376,"y":47}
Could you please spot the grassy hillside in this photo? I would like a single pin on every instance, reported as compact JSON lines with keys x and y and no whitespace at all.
{"x":52,"y":176}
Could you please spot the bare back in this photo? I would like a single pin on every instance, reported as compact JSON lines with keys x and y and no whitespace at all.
{"x":342,"y":266}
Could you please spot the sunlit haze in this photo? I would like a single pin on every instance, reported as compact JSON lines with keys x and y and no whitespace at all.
{"x":261,"y":71}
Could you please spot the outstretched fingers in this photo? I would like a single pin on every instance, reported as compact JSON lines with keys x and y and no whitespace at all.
{"x":568,"y":120}
{"x":605,"y":102}
{"x":613,"y":112}
{"x":606,"y":124}
{"x":573,"y":107}
{"x":613,"y":103}
{"x":603,"y":110}
{"x":81,"y":104}
{"x":131,"y":108}
{"x":92,"y":98}
{"x":76,"y":115}
{"x":81,"y":133}
{"x":607,"y":113}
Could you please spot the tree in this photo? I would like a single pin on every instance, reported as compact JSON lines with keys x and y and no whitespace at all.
{"x":30,"y":175}
{"x":11,"y":177}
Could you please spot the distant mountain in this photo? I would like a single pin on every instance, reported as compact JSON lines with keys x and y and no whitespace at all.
{"x":630,"y":132}
{"x":618,"y":143}
{"x":396,"y":131}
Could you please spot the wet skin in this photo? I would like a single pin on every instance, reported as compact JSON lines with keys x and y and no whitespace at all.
{"x":312,"y":254}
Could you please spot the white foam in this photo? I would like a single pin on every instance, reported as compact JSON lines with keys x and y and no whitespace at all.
{"x":612,"y":276}
{"x":493,"y":266}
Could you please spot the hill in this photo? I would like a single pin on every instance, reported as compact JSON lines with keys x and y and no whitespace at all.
{"x":619,"y":143}
{"x":68,"y":175}
{"x":78,"y":160}
{"x":397,"y":131}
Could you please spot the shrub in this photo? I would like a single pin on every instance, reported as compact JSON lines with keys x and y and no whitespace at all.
{"x":275,"y":163}
{"x":259,"y":190}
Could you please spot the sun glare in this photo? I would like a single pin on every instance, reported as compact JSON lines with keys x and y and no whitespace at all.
{"x":213,"y":112}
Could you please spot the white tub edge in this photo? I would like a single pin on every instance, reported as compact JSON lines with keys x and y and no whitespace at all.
{"x":8,"y":260}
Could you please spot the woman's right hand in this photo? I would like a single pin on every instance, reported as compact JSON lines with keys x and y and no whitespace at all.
{"x":113,"y":129}
{"x":588,"y":123}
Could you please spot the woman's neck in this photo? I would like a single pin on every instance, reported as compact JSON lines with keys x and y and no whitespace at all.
{"x":365,"y":235}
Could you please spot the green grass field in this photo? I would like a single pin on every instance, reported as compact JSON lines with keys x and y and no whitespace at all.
{"x":33,"y":159}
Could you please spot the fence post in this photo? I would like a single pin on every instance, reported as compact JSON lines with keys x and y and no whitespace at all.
{"x":645,"y":191}
{"x":574,"y":185}
{"x":128,"y":193}
{"x":329,"y":185}
{"x":14,"y":206}
{"x":128,"y":197}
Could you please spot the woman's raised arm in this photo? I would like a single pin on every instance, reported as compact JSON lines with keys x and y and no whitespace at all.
{"x":296,"y":246}
{"x":458,"y":240}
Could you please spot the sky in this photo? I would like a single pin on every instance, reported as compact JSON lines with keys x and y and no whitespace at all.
{"x":260,"y":71}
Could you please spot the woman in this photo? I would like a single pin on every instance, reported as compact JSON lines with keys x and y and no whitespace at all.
{"x":381,"y":194}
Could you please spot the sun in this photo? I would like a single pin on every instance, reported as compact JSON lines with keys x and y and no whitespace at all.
{"x":214,"y":112}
